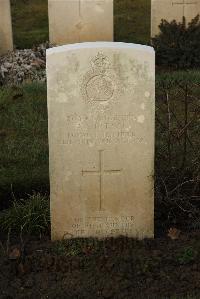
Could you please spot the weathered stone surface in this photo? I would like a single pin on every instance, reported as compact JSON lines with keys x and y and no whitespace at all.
{"x":101,"y":139}
{"x":6,"y":42}
{"x":72,"y":21}
{"x":172,"y":10}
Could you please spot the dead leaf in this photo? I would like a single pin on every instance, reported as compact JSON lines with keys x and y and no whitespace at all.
{"x":174,"y":233}
{"x":14,"y":254}
{"x":21,"y":269}
{"x":38,"y":63}
{"x":3,"y":133}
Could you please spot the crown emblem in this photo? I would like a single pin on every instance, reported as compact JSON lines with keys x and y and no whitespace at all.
{"x":100,"y":61}
{"x":99,"y":87}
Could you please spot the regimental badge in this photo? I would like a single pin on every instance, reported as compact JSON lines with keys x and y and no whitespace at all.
{"x":99,"y":85}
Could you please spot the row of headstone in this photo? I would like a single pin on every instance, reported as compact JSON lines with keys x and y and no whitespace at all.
{"x":72,"y":21}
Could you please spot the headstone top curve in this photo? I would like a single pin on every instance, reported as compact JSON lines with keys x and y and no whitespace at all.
{"x":93,"y":45}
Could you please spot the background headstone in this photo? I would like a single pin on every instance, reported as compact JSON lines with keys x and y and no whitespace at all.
{"x":172,"y":10}
{"x":72,"y":21}
{"x":6,"y":41}
{"x":101,"y":139}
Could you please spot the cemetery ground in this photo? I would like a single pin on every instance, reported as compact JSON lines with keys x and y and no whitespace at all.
{"x":31,"y":266}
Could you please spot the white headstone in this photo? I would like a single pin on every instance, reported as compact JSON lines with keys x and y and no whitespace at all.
{"x":72,"y":21}
{"x":172,"y":10}
{"x":6,"y":42}
{"x":101,"y":139}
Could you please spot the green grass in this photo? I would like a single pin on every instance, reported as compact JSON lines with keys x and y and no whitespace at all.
{"x":30,"y":21}
{"x":23,"y":141}
{"x":31,"y":216}
{"x":132,"y":21}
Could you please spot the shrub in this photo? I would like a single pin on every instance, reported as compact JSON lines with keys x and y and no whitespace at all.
{"x":178,"y":44}
{"x":177,"y":181}
{"x":29,"y":216}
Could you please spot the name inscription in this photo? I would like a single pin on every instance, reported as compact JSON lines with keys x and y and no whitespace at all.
{"x":101,"y":129}
{"x":103,"y":225}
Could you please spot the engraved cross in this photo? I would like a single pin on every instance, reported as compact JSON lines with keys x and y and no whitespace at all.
{"x":100,"y":173}
{"x":184,"y":3}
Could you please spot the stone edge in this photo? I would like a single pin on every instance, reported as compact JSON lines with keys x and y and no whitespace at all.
{"x":93,"y":45}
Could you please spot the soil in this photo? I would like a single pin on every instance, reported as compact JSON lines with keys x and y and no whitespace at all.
{"x":113,"y":268}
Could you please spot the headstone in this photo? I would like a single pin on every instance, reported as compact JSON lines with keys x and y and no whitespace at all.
{"x":172,"y":10}
{"x":6,"y":42}
{"x":72,"y":21}
{"x":101,"y":139}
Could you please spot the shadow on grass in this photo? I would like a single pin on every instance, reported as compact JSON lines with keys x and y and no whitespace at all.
{"x":23,"y":141}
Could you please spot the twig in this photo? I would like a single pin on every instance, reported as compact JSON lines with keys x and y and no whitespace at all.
{"x":182,"y":184}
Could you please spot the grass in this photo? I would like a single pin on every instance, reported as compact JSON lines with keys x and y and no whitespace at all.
{"x":186,"y":256}
{"x":132,"y":21}
{"x":30,"y":21}
{"x":23,"y":141}
{"x":30,"y":216}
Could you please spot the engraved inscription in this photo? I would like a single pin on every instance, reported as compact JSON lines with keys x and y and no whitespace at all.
{"x":121,"y":137}
{"x":99,"y":225}
{"x":101,"y":172}
{"x":101,"y":129}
